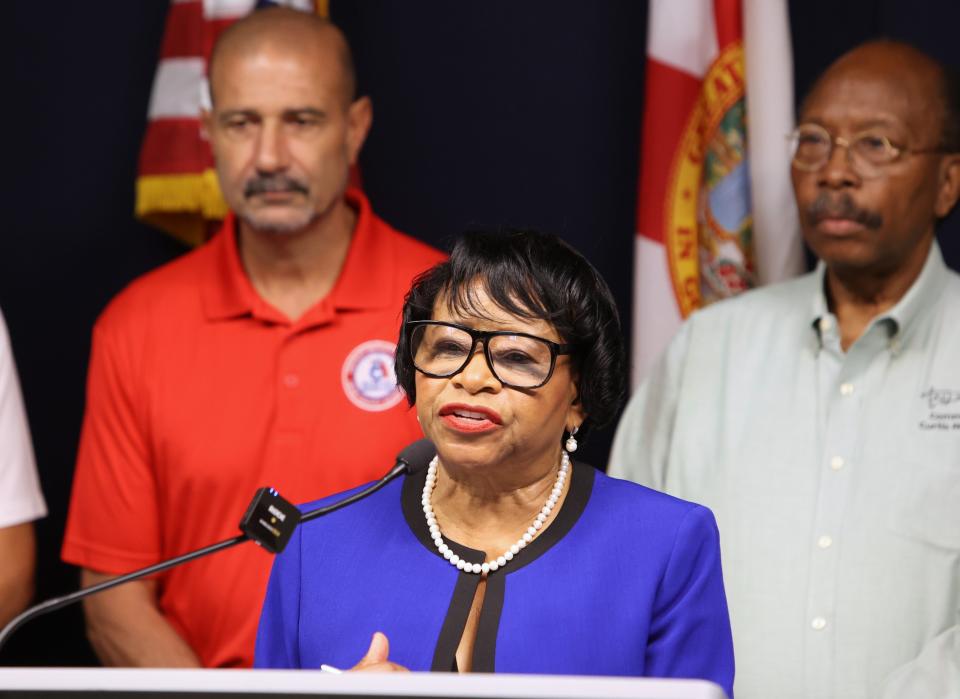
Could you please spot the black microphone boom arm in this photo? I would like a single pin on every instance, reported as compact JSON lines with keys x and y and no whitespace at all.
{"x":269,"y":520}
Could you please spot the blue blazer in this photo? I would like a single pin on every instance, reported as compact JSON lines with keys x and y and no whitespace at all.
{"x":625,"y":581}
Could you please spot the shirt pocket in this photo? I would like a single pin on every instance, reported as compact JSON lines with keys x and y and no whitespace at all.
{"x":926,"y":506}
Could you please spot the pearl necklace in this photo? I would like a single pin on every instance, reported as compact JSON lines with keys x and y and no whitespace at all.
{"x":500,"y":561}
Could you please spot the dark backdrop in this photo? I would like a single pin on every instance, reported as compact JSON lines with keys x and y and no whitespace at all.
{"x":486,"y":113}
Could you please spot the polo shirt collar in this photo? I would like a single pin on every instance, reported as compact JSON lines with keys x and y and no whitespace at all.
{"x":364,"y":281}
{"x":904,"y":317}
{"x":227,"y":292}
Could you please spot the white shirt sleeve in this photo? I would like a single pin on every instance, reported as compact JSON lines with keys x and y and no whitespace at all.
{"x":641,"y":447}
{"x":20,"y":496}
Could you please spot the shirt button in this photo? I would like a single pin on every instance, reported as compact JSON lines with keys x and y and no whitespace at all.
{"x":291,"y":380}
{"x":836,"y":463}
{"x":824,"y":542}
{"x":825,"y":324}
{"x":818,"y":623}
{"x":846,"y":389}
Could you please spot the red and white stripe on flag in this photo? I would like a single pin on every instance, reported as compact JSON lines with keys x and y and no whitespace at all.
{"x":696,"y":223}
{"x":177,"y":187}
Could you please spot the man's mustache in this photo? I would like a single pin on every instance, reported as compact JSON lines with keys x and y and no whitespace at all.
{"x":831,"y":206}
{"x":262,"y":184}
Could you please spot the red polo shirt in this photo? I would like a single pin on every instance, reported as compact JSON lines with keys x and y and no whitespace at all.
{"x":199,"y":392}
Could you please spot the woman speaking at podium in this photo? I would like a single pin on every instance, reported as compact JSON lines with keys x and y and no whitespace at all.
{"x":504,"y":555}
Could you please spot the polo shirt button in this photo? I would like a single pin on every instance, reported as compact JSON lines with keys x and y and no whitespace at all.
{"x":846,"y":389}
{"x":291,"y":380}
{"x":818,"y":623}
{"x":824,"y":542}
{"x":836,"y":463}
{"x":825,"y":324}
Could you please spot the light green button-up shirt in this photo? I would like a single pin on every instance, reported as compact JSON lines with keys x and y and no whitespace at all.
{"x":835,"y":479}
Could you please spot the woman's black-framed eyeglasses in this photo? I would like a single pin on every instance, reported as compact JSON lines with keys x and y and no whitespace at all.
{"x":518,"y":360}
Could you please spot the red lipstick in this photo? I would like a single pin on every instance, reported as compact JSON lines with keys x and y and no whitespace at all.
{"x":469,"y":418}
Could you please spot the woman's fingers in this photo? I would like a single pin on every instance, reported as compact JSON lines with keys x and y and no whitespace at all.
{"x":376,"y":658}
{"x":379,"y":650}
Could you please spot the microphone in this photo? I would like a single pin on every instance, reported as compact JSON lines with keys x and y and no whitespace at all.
{"x":269,"y":521}
{"x":413,"y":458}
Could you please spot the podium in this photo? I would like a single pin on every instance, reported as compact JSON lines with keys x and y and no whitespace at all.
{"x":70,"y":683}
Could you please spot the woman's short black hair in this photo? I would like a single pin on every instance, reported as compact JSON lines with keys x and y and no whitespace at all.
{"x":531,"y":275}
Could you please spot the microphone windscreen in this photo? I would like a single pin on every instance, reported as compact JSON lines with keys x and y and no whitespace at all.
{"x":416,"y":456}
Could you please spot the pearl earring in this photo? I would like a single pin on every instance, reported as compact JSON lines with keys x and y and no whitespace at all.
{"x":571,"y":444}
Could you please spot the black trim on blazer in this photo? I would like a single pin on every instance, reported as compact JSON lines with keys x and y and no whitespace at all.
{"x":485,"y":646}
{"x":484,"y":650}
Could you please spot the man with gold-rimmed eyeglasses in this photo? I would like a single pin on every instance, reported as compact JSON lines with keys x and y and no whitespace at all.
{"x":868,"y":152}
{"x":820,"y":418}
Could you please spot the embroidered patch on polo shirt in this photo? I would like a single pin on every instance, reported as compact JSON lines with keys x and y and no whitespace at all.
{"x":368,"y":377}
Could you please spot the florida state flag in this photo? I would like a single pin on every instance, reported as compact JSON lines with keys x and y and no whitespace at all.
{"x":177,"y":187}
{"x":697,"y":233}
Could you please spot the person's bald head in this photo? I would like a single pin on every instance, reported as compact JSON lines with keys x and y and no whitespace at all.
{"x":930,"y":87}
{"x":284,"y":126}
{"x":281,"y":29}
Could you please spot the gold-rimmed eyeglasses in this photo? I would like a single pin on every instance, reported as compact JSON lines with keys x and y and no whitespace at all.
{"x":868,"y":152}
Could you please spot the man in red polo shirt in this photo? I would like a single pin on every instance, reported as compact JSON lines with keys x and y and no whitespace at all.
{"x":262,"y":358}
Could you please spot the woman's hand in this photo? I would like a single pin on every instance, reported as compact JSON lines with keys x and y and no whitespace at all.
{"x":376,"y":658}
